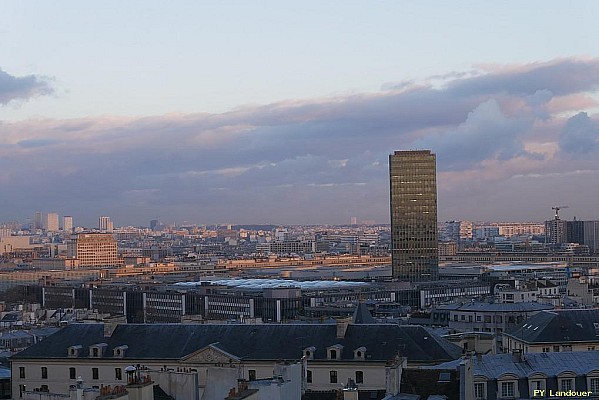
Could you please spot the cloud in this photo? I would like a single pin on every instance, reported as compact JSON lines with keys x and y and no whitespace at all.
{"x":315,"y":160}
{"x":580,"y":135}
{"x":23,"y":88}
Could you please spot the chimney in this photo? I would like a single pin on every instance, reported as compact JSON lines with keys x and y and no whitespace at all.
{"x":350,"y":392}
{"x":517,"y":356}
{"x":342,"y":324}
{"x":110,"y":324}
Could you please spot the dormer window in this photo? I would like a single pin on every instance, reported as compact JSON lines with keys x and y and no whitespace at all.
{"x":360,"y":353}
{"x":74,"y":351}
{"x":97,"y":350}
{"x":309,"y":352}
{"x":334,"y":352}
{"x":119,"y":352}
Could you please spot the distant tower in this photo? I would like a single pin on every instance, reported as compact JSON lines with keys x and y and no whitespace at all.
{"x":51,"y":222}
{"x":105,"y":224}
{"x":38,"y":220}
{"x":354,"y":221}
{"x":153,"y":224}
{"x":413,"y":189}
{"x":67,"y":223}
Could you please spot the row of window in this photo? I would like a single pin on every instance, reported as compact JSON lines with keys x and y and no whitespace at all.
{"x":359,"y":376}
{"x":507,"y":390}
{"x":118,"y":373}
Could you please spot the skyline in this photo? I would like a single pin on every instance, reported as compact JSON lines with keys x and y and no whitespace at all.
{"x":256,"y":134}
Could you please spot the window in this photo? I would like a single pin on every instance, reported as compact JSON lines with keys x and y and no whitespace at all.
{"x":455,"y":317}
{"x":535,"y":386}
{"x":556,"y":348}
{"x":251,"y":374}
{"x":545,"y":349}
{"x":594,"y":385}
{"x":22,"y":372}
{"x":333,"y":376}
{"x":479,"y":391}
{"x":478,"y":318}
{"x":470,"y":318}
{"x":359,"y":377}
{"x":567,"y":347}
{"x":95,"y":352}
{"x":309,"y":376}
{"x":507,"y":390}
{"x":44,"y":372}
{"x":565,"y":385}
{"x":72,"y":373}
{"x":95,"y":373}
{"x":333,"y":354}
{"x":118,"y":374}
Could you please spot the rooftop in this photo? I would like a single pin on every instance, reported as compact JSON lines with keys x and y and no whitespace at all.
{"x":248,"y":342}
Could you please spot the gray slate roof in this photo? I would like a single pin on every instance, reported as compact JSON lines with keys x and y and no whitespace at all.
{"x":559,"y":326}
{"x":550,"y":364}
{"x":498,"y":307}
{"x":249,"y":342}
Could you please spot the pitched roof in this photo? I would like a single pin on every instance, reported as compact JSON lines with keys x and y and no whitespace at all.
{"x":499,"y":307}
{"x":362,"y":315}
{"x":550,"y":364}
{"x":249,"y":342}
{"x":559,"y":326}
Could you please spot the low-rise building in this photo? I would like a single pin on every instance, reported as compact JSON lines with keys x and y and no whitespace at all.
{"x":373,"y":355}
{"x":555,"y":331}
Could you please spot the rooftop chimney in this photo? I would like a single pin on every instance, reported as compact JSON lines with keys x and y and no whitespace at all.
{"x":342,"y":324}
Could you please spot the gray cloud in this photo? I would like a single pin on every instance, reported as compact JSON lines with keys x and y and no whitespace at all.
{"x":320,"y":160}
{"x":25,"y":87}
{"x":580,"y":135}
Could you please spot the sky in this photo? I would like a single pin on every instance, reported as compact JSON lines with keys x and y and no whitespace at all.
{"x":286,"y":112}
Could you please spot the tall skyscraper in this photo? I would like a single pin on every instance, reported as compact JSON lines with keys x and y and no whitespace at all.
{"x":38,"y":220}
{"x":105,"y":224}
{"x":67,"y":223}
{"x":413,"y":184}
{"x":51,"y":222}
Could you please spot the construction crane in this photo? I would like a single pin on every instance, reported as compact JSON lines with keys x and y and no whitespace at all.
{"x":557,"y":208}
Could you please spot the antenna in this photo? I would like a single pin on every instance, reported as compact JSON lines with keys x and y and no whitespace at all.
{"x":557,"y":208}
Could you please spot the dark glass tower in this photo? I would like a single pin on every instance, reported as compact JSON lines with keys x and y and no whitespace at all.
{"x":413,"y":180}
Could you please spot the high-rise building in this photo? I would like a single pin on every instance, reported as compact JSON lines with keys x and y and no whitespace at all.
{"x":67,"y":223}
{"x":413,"y":189}
{"x":51,"y":222}
{"x":38,"y":220}
{"x":556,"y":231}
{"x":93,"y":250}
{"x":105,"y":224}
{"x":591,"y":235}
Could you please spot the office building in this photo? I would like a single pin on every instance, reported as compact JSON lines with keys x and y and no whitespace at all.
{"x":105,"y":224}
{"x":38,"y":220}
{"x":67,"y":223}
{"x":413,"y":188}
{"x":51,"y":222}
{"x":93,"y":250}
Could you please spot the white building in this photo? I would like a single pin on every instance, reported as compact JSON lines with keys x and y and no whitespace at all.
{"x":372,"y":355}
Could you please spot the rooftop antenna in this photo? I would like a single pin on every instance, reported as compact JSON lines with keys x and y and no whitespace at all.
{"x":557,"y":208}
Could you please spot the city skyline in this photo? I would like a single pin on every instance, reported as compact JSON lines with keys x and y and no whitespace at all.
{"x":226,"y":122}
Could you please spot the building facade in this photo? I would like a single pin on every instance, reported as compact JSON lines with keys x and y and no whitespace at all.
{"x":51,"y":222}
{"x":93,"y":250}
{"x":413,"y":189}
{"x":67,"y":223}
{"x":371,"y":355}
